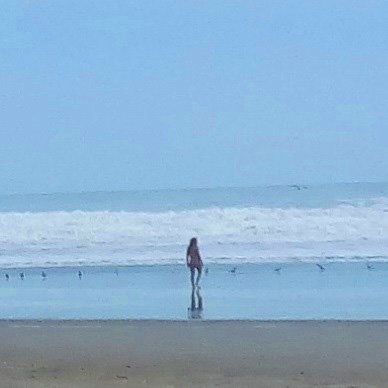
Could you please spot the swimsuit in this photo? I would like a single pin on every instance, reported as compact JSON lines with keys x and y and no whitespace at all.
{"x":195,"y":260}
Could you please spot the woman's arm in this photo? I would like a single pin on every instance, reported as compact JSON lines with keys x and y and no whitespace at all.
{"x":187,"y":256}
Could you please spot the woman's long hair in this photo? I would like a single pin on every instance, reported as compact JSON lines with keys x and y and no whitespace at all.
{"x":193,"y":242}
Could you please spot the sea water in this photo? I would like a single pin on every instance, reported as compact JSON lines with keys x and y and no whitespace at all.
{"x":253,"y":291}
{"x":346,"y":222}
{"x":130,"y":248}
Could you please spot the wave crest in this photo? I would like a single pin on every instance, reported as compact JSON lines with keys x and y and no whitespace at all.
{"x":252,"y":233}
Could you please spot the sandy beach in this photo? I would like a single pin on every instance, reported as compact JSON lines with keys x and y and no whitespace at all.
{"x":193,"y":354}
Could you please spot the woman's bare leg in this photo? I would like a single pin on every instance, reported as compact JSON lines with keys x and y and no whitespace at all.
{"x":198,"y":276}
{"x":192,"y":270}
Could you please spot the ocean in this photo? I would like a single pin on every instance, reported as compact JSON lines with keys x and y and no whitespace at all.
{"x":327,"y":223}
{"x":279,"y":252}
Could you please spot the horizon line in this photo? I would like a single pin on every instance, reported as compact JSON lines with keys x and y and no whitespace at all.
{"x":193,"y":188}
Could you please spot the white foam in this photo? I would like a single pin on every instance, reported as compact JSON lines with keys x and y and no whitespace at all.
{"x":226,"y":235}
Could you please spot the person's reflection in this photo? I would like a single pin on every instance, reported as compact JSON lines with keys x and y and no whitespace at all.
{"x":196,"y":309}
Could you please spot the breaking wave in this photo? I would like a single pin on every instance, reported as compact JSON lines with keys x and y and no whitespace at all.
{"x":250,"y":234}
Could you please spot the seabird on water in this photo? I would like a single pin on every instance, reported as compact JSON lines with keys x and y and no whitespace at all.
{"x":321,"y":267}
{"x":6,"y":277}
{"x":44,"y":275}
{"x":22,"y":275}
{"x":299,"y":187}
{"x":277,"y":270}
{"x":80,"y":274}
{"x":369,"y":266}
{"x":233,"y":270}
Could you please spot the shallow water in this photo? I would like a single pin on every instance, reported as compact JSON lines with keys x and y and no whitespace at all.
{"x":255,"y":291}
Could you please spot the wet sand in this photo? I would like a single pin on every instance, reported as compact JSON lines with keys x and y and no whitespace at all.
{"x":300,"y":291}
{"x":193,"y":354}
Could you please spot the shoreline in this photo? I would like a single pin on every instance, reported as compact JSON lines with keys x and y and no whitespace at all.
{"x":252,"y":292}
{"x":193,"y":321}
{"x":269,"y":354}
{"x":213,"y":262}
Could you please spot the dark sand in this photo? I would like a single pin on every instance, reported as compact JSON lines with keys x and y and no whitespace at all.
{"x":193,"y":354}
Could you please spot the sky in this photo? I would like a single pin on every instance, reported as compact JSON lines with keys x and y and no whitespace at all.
{"x":121,"y":95}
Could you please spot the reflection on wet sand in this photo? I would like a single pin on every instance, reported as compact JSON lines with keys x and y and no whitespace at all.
{"x":196,"y":308}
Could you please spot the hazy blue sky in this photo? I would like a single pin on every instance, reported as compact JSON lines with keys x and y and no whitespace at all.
{"x":107,"y":95}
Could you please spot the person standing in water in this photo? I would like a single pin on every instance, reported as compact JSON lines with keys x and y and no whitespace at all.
{"x":194,"y":261}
